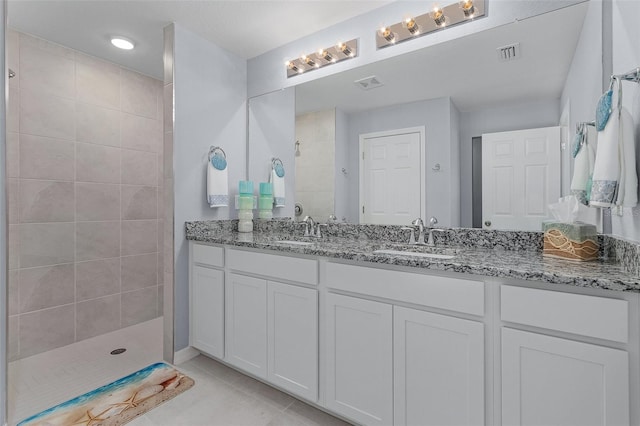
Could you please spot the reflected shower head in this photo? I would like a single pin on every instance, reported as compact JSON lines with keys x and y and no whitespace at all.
{"x":12,"y":73}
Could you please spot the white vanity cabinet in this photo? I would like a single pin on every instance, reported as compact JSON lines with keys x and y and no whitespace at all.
{"x":206,"y":299}
{"x":392,"y":364}
{"x":550,"y":380}
{"x":438,"y":369}
{"x":359,"y":359}
{"x":272,"y":326}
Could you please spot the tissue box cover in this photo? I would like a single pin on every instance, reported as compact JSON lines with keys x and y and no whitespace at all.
{"x":575,"y":241}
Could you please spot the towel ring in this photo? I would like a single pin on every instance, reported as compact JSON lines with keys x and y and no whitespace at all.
{"x":214,"y":149}
{"x":275,"y":161}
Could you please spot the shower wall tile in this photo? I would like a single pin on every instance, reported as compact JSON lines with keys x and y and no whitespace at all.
{"x":97,"y":81}
{"x":45,"y":115}
{"x":97,"y":316}
{"x":48,"y":329}
{"x":140,"y":133}
{"x":139,"y":202}
{"x":97,"y":278}
{"x":139,"y":168}
{"x":97,"y":125}
{"x":13,"y":110}
{"x":85,"y":169}
{"x":167,"y":115}
{"x":167,"y":166}
{"x":46,"y":158}
{"x":14,"y":292}
{"x":139,"y":306}
{"x":97,"y":240}
{"x":46,"y":287}
{"x":45,"y":45}
{"x":13,"y":247}
{"x":96,"y":163}
{"x":139,"y":94}
{"x":139,"y":271}
{"x":13,"y":154}
{"x":160,"y":300}
{"x":97,"y":202}
{"x":46,"y":201}
{"x":13,"y":57}
{"x":13,"y":200}
{"x":46,"y":72}
{"x":139,"y":237}
{"x":44,"y":244}
{"x":13,"y":344}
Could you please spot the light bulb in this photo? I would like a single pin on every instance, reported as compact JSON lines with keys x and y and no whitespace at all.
{"x":326,"y":55}
{"x":387,"y":34}
{"x":468,"y":8}
{"x":307,"y":60}
{"x":438,"y":16}
{"x":345,"y":49}
{"x":412,"y":26}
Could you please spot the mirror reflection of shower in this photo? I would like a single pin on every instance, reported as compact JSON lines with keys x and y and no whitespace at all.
{"x":12,"y":73}
{"x":315,"y":164}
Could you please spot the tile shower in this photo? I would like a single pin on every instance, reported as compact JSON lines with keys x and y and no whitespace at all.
{"x":84,"y":168}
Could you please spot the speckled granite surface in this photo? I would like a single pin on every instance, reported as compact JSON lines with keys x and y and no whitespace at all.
{"x":489,"y":253}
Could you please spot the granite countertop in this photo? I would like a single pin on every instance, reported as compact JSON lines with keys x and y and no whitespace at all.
{"x":497,"y":262}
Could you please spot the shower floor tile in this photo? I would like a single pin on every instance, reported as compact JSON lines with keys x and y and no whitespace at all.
{"x":44,"y":380}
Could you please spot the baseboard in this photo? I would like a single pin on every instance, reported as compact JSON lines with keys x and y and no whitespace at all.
{"x":184,"y":355}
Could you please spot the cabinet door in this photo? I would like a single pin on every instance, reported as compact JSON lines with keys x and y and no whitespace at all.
{"x":359,"y":359}
{"x":292,"y":333}
{"x":552,"y":381}
{"x":207,"y":310}
{"x":438,"y":369}
{"x":246,"y":324}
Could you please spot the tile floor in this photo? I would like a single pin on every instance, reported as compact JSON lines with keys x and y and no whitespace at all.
{"x":220,"y":396}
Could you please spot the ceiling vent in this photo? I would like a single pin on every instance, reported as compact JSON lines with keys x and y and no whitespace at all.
{"x":510,"y":52}
{"x":369,"y":83}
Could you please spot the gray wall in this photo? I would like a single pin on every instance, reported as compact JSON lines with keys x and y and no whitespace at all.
{"x":210,"y":109}
{"x":435,"y":116}
{"x":272,"y":127}
{"x":626,"y":56}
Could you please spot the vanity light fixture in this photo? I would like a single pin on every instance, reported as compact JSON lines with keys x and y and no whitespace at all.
{"x":468,"y":8}
{"x":307,"y":60}
{"x":436,"y":19}
{"x":326,"y":55}
{"x":122,"y":43}
{"x":322,"y":57}
{"x":294,"y":68}
{"x":387,"y":34}
{"x":412,"y":26}
{"x":438,"y":16}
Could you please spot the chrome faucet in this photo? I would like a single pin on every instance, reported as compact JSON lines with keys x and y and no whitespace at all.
{"x":432,"y":222}
{"x":420,"y":224}
{"x":309,"y":231}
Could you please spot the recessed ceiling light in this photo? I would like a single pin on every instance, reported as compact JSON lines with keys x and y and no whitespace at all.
{"x":122,"y":43}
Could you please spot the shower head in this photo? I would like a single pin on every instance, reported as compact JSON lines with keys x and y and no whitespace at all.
{"x":12,"y":73}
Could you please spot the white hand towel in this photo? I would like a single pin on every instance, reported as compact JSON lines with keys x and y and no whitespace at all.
{"x":606,"y":171}
{"x":278,"y":189}
{"x":217,"y":186}
{"x":583,"y":169}
{"x":628,"y":187}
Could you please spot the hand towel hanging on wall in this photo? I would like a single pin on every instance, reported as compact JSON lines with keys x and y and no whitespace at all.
{"x":277,"y":179}
{"x":606,"y":172}
{"x":628,"y":186}
{"x":584,"y":154}
{"x":217,"y":178}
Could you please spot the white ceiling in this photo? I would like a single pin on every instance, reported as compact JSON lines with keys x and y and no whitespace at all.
{"x":247,"y":28}
{"x":466,"y":69}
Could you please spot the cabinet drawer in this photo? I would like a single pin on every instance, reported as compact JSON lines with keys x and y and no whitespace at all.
{"x":591,"y":316}
{"x":208,"y":255}
{"x":453,"y":294}
{"x":270,"y":265}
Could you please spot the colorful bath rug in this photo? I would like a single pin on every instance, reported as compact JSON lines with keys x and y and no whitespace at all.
{"x":119,"y":402}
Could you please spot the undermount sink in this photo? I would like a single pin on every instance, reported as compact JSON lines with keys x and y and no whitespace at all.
{"x":414,"y":254}
{"x":295,"y":243}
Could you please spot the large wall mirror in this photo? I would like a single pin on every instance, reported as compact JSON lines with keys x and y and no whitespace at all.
{"x":399,"y":138}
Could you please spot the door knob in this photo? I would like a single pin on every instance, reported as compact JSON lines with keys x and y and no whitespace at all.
{"x":487,"y":223}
